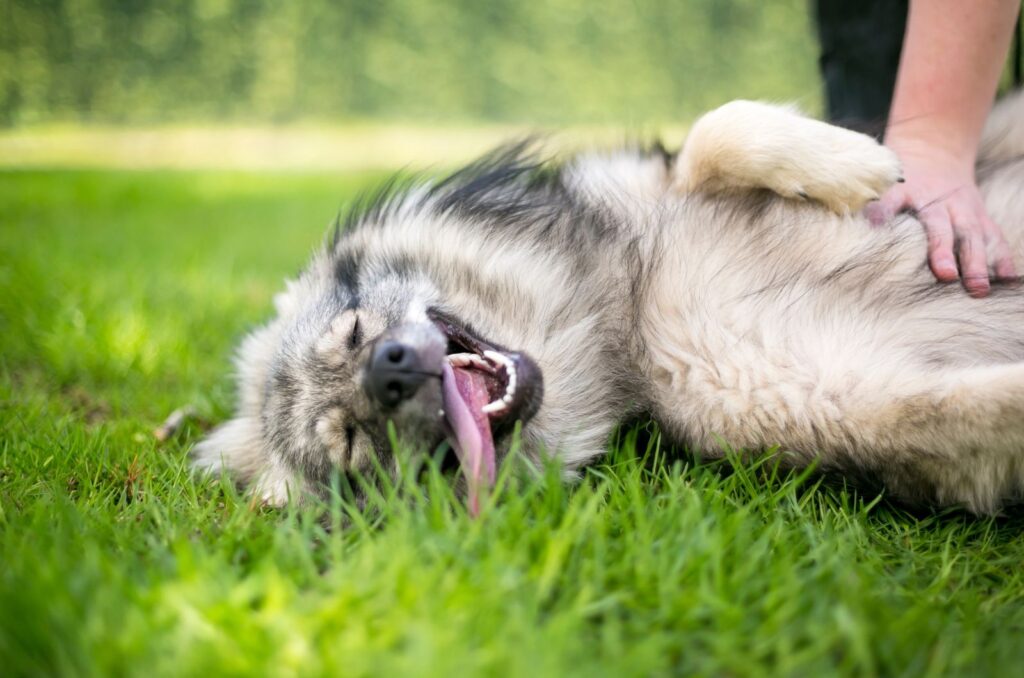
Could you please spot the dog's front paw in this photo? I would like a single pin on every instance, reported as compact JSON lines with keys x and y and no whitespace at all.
{"x":748,"y":145}
{"x":850,"y":169}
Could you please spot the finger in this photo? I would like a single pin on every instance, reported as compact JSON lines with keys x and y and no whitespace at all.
{"x":889,"y":205}
{"x":973,"y":261}
{"x":875,"y":213}
{"x":940,"y":244}
{"x":999,"y":252}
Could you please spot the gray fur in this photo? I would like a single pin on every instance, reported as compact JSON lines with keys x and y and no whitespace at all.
{"x":730,"y":314}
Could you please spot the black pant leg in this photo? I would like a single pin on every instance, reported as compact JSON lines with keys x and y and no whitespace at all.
{"x":860,"y":54}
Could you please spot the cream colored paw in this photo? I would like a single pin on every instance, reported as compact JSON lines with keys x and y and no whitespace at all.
{"x":275,"y":488}
{"x":749,"y":145}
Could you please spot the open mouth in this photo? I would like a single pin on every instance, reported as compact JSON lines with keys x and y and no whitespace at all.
{"x":485,"y":390}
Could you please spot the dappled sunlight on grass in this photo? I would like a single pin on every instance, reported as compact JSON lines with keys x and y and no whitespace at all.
{"x":130,"y":343}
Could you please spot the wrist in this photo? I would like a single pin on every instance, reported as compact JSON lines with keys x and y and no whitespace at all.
{"x":949,"y":153}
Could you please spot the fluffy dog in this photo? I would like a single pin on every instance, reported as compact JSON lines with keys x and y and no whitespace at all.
{"x":732,"y":291}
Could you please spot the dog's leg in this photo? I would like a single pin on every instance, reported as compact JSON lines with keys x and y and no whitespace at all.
{"x":940,"y":438}
{"x":747,"y":145}
{"x":959,"y":440}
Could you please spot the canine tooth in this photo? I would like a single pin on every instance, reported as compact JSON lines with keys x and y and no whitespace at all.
{"x":495,"y":407}
{"x":507,"y":399}
{"x":506,"y":362}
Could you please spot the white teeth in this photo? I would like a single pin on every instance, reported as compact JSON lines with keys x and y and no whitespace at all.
{"x":495,"y":407}
{"x":493,"y":358}
{"x":466,"y":359}
{"x":510,"y":388}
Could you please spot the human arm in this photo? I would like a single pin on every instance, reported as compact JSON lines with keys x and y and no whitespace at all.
{"x":952,"y":56}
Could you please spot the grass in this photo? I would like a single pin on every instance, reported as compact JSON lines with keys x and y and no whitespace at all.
{"x":121,"y":296}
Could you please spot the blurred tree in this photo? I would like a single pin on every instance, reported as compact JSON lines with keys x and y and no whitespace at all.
{"x":622,"y":61}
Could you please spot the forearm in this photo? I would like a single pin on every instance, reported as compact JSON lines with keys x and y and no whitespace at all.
{"x":950,"y":66}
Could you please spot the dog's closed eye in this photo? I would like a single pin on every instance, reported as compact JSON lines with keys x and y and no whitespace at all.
{"x":355,"y":337}
{"x":350,"y":441}
{"x":342,"y":338}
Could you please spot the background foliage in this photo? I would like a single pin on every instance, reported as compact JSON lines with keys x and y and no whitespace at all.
{"x":633,"y":61}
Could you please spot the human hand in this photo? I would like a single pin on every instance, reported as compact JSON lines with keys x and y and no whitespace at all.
{"x":942,"y":189}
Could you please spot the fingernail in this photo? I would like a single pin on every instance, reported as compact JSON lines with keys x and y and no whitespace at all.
{"x":946,"y":268}
{"x":977,"y":287}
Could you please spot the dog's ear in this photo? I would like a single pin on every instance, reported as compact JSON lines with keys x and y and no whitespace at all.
{"x":319,"y":278}
{"x":235,"y":447}
{"x":287,"y":301}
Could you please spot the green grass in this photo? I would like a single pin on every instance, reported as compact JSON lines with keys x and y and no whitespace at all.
{"x":121,"y":297}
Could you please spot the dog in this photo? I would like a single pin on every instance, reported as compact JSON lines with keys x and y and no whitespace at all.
{"x":731,"y":291}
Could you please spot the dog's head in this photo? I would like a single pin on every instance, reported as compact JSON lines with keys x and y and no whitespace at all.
{"x":353,"y":351}
{"x":445,"y":313}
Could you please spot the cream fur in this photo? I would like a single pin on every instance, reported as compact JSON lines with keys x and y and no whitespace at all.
{"x":840,"y":385}
{"x":747,"y":144}
{"x":737,"y":318}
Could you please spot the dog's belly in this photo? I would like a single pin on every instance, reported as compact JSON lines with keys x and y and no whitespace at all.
{"x":742,"y":340}
{"x":773,"y":331}
{"x":832,"y":340}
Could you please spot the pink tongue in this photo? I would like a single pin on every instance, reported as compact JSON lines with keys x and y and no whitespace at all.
{"x":465,"y":394}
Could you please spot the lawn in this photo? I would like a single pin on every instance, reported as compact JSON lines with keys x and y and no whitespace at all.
{"x":121,"y":297}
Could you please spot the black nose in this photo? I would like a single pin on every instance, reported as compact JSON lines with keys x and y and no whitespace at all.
{"x":395,"y":373}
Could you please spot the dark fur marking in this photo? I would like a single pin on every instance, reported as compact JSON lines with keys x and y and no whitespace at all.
{"x":346,"y":272}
